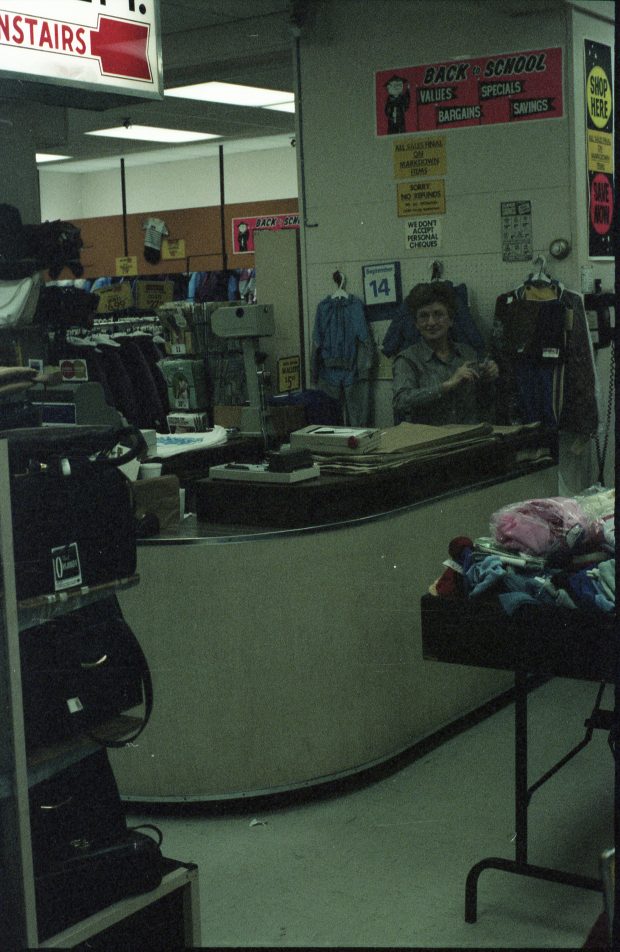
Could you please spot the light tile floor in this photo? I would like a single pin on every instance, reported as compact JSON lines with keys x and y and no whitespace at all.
{"x":384,"y":863}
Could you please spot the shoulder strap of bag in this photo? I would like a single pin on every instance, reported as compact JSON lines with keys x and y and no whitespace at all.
{"x":144,"y":673}
{"x":147,"y":688}
{"x":45,"y":443}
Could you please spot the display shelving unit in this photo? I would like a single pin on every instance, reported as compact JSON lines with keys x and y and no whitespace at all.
{"x":177,"y":895}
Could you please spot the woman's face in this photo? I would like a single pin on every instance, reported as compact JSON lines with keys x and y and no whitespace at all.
{"x":433,"y":323}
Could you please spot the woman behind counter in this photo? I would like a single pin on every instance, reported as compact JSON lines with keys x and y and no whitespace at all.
{"x":438,"y":380}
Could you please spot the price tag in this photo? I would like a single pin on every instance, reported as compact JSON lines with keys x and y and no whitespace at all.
{"x":152,"y":294}
{"x":66,"y":565}
{"x":126,"y":266}
{"x":118,"y":297}
{"x":173,"y":248}
{"x":289,"y":373}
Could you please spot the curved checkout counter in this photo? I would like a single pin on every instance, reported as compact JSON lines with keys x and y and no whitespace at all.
{"x":289,"y":653}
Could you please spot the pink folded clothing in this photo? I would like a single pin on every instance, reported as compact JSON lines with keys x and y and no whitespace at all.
{"x":538,"y":526}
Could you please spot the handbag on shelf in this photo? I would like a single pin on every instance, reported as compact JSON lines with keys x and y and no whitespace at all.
{"x":81,"y":670}
{"x":72,"y":507}
{"x":84,"y":855}
{"x":30,"y":446}
{"x":77,"y":808}
{"x":95,"y":877}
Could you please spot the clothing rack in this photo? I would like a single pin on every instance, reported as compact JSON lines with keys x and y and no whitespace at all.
{"x":140,"y":322}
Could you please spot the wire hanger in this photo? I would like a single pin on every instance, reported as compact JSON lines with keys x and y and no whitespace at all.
{"x":541,"y":276}
{"x":436,"y":271}
{"x":341,"y":281}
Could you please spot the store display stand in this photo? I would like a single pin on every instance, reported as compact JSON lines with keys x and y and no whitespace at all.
{"x":17,"y":769}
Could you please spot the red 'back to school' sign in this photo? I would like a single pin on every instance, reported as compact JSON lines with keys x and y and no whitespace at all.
{"x":509,"y":87}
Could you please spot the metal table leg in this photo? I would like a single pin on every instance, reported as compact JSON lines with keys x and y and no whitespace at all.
{"x":520,"y":865}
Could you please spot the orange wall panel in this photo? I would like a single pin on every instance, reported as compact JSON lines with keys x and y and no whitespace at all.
{"x":200,"y":228}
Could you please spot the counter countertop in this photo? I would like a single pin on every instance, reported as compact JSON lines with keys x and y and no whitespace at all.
{"x":406,"y":495}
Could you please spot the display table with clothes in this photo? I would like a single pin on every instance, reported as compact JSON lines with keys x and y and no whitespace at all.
{"x":537,"y":598}
{"x":284,"y":658}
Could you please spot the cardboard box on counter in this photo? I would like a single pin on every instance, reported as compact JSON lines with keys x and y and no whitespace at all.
{"x":283,"y":420}
{"x":188,"y":422}
{"x":227,"y":416}
{"x":159,"y":496}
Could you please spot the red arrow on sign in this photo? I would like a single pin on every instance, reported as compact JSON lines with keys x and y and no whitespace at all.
{"x":121,"y":47}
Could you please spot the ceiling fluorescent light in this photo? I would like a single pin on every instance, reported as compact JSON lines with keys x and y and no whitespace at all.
{"x":282,"y":106}
{"x":152,"y":134}
{"x":232,"y":94}
{"x":42,"y":157}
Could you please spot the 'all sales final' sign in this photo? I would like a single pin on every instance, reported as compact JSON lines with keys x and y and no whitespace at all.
{"x":97,"y":44}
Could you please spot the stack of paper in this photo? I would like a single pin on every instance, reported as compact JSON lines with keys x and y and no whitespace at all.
{"x":407,"y":443}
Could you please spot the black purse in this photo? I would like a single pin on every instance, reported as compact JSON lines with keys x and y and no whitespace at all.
{"x":76,"y":809}
{"x":80,"y":670}
{"x":72,"y":508}
{"x":95,"y":877}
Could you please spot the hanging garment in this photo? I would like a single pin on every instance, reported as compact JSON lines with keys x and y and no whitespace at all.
{"x":155,"y":230}
{"x":100,"y":283}
{"x":152,"y":356}
{"x":210,"y":286}
{"x":247,"y":285}
{"x":402,"y":332}
{"x":192,"y":285}
{"x":528,"y":343}
{"x":546,"y":360}
{"x":123,"y":393}
{"x":94,"y":364}
{"x":581,"y":393}
{"x":342,"y":353}
{"x":151,"y":415}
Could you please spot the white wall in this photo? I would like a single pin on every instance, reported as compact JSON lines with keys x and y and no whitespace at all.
{"x":350,"y":187}
{"x":256,"y":170}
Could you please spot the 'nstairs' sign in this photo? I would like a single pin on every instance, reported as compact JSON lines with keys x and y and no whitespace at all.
{"x":111,"y":45}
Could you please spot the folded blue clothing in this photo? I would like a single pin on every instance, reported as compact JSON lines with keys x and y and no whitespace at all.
{"x":510,"y":601}
{"x":603,"y":604}
{"x":605,"y":576}
{"x":588,"y":589}
{"x":481,"y":576}
{"x":583,"y":589}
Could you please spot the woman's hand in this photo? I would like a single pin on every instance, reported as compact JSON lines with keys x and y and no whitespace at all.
{"x":466,"y":373}
{"x":489,"y":370}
